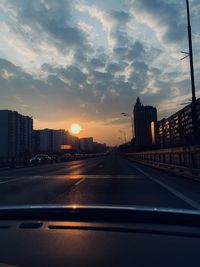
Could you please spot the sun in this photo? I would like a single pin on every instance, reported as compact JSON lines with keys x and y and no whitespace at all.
{"x":75,"y":128}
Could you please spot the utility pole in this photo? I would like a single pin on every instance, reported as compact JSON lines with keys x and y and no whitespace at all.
{"x":193,"y":111}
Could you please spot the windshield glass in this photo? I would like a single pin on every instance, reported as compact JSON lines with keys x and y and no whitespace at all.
{"x":99,"y":103}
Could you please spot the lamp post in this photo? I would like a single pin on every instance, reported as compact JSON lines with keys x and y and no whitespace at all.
{"x":131,"y":116}
{"x":193,"y":111}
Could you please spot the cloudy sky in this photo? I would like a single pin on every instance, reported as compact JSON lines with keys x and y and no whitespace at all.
{"x":86,"y":61}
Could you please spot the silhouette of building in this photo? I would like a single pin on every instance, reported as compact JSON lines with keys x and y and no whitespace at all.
{"x":98,"y":147}
{"x":15,"y":134}
{"x":145,"y":125}
{"x":86,"y":144}
{"x":49,"y":140}
{"x":73,"y":141}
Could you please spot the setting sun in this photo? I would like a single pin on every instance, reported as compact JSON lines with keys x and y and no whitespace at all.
{"x":75,"y":128}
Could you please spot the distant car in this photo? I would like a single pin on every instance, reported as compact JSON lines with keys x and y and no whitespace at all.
{"x":67,"y":157}
{"x":40,"y":159}
{"x":55,"y":158}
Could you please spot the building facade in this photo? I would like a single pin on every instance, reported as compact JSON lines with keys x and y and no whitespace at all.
{"x":52,"y":141}
{"x":86,"y":144}
{"x":49,"y":140}
{"x":16,"y":133}
{"x":73,"y":141}
{"x":177,"y":130}
{"x":145,"y":125}
{"x":99,"y":148}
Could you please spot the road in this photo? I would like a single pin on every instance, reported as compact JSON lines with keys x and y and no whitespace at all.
{"x":106,"y":180}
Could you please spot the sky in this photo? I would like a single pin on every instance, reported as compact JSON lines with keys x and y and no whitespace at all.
{"x":86,"y":61}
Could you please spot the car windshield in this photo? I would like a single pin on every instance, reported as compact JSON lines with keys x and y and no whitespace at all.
{"x":99,"y":103}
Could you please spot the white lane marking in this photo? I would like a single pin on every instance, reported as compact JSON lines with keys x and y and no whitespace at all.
{"x":80,"y":181}
{"x":178,"y":194}
{"x":67,"y":191}
{"x":12,"y":180}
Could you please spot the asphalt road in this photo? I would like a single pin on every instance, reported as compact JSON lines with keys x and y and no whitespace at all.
{"x":107,"y":180}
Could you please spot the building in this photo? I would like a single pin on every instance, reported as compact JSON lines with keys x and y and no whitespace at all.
{"x":177,"y":130}
{"x":54,"y":141}
{"x":99,"y":148}
{"x":49,"y":140}
{"x":15,"y":134}
{"x":73,"y":141}
{"x":86,"y":144}
{"x":145,"y":125}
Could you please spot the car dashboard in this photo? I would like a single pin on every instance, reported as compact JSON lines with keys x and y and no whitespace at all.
{"x":131,"y":241}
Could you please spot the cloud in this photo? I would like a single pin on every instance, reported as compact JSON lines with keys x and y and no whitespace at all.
{"x":164,"y":17}
{"x":49,"y":25}
{"x":93,"y":11}
{"x":120,"y":17}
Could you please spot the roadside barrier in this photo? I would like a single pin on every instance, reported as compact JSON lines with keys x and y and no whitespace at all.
{"x":12,"y":163}
{"x":183,"y":161}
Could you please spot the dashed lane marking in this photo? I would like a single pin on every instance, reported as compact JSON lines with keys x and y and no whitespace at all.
{"x":80,"y":181}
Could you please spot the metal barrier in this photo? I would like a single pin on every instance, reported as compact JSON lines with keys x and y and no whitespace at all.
{"x":181,"y":160}
{"x":13,"y":162}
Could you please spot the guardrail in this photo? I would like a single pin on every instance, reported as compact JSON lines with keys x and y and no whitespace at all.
{"x":6,"y":163}
{"x":13,"y":162}
{"x":183,"y":160}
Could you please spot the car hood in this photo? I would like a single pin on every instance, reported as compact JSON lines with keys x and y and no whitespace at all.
{"x":98,"y":207}
{"x":101,"y":214}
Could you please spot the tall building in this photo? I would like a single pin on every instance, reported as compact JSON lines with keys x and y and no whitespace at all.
{"x":15,"y":134}
{"x":145,"y":125}
{"x":49,"y":140}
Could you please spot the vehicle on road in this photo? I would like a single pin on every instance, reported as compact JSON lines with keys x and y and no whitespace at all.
{"x":40,"y":159}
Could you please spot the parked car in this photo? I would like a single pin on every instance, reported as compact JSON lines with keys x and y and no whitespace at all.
{"x":40,"y":159}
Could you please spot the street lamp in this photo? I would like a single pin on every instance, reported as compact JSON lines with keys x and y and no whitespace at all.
{"x":131,"y":116}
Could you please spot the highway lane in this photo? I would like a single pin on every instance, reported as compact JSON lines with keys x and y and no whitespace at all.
{"x":107,"y":180}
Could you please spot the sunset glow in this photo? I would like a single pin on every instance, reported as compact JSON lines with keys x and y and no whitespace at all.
{"x":75,"y":128}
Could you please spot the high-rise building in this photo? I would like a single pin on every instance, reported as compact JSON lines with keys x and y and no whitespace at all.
{"x":49,"y":140}
{"x":145,"y":125}
{"x":15,"y":134}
